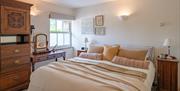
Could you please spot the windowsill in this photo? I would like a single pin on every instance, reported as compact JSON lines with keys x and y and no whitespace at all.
{"x":63,"y":48}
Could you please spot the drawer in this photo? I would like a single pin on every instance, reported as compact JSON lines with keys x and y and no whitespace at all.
{"x":56,"y":56}
{"x":10,"y":63}
{"x":59,"y":55}
{"x":14,"y":50}
{"x":13,"y":79}
{"x":41,"y":58}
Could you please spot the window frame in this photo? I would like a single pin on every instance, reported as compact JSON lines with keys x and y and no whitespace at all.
{"x":60,"y":32}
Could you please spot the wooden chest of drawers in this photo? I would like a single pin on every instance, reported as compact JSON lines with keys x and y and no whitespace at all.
{"x":15,"y":65}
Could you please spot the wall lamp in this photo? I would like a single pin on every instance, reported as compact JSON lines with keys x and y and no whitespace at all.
{"x":123,"y":17}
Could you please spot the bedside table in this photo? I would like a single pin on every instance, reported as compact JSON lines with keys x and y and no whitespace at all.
{"x":79,"y":52}
{"x":167,"y":74}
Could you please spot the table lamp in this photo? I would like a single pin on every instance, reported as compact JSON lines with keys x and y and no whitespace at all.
{"x":86,"y":41}
{"x":167,"y":43}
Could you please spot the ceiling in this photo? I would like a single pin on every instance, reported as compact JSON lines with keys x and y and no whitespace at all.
{"x":77,"y":3}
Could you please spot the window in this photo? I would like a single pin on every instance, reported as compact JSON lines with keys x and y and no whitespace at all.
{"x":60,"y":33}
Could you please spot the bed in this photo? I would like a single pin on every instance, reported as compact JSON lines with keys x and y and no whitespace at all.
{"x":80,"y":74}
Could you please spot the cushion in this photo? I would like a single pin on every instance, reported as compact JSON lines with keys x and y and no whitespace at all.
{"x":94,"y":56}
{"x":133,"y":54}
{"x":95,"y":49}
{"x":110,"y":52}
{"x":131,"y":62}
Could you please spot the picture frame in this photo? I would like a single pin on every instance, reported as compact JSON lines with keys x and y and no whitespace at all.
{"x":100,"y":31}
{"x":87,"y":25}
{"x":99,"y":20}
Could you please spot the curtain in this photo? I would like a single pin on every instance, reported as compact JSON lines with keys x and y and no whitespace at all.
{"x":60,"y":16}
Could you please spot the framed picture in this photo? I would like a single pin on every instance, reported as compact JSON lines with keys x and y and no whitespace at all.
{"x":99,"y":20}
{"x":100,"y":31}
{"x":87,"y":26}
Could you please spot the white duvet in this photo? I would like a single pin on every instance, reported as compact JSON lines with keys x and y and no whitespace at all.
{"x":48,"y":79}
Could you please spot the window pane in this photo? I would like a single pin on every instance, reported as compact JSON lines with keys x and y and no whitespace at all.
{"x":67,"y":39}
{"x":53,"y":39}
{"x":52,"y":25}
{"x":59,"y":25}
{"x":60,"y":39}
{"x":66,"y":26}
{"x":57,"y":35}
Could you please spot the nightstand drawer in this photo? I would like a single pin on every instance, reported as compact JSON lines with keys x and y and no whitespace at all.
{"x":12,"y":79}
{"x":11,"y":63}
{"x":14,"y":50}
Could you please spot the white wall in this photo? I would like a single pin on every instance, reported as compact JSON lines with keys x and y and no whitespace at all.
{"x":142,"y":27}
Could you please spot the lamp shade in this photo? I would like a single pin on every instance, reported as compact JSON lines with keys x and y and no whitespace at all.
{"x":167,"y":42}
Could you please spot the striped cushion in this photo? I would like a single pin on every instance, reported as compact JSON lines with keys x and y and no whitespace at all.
{"x":94,"y":56}
{"x":131,"y":62}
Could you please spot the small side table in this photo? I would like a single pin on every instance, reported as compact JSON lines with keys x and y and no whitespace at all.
{"x":79,"y":52}
{"x":167,"y":74}
{"x":46,"y":56}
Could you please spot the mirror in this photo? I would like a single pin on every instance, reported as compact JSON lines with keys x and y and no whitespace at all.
{"x":40,"y":43}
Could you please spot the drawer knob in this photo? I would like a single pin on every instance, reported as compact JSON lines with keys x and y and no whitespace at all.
{"x":16,"y":78}
{"x":16,"y":51}
{"x":17,"y":62}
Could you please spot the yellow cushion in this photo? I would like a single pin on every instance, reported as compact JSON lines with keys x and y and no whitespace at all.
{"x":133,"y":54}
{"x":95,"y":49}
{"x":110,"y":52}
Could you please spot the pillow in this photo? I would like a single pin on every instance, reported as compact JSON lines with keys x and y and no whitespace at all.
{"x":133,"y":54}
{"x":131,"y":62}
{"x":110,"y":52}
{"x":95,"y":49}
{"x":94,"y":56}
